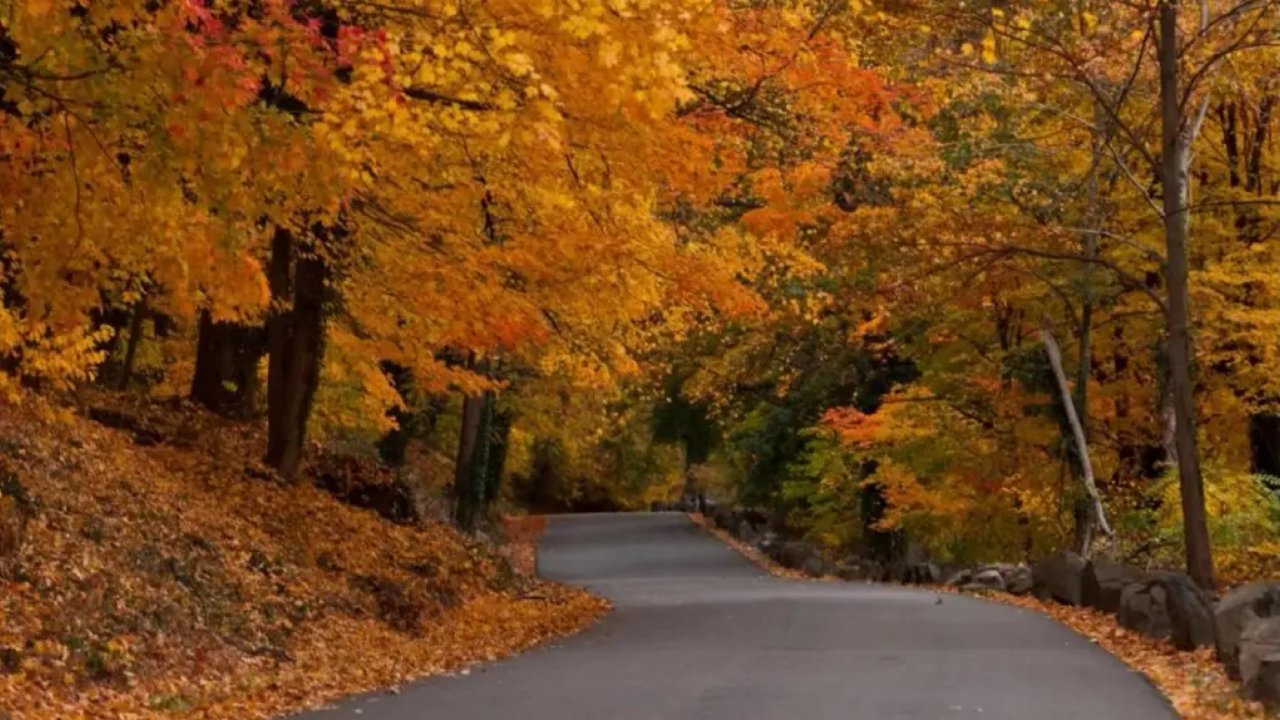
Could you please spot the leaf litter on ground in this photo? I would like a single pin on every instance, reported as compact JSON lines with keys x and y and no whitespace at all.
{"x":177,"y":580}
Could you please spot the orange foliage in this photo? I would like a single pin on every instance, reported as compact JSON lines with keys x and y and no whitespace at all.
{"x":141,"y":594}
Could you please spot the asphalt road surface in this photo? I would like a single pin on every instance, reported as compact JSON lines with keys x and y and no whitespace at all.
{"x":700,"y":633}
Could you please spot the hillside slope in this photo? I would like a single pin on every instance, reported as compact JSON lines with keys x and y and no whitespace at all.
{"x":157,"y":574}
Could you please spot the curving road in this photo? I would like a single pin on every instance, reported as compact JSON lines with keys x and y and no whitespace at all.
{"x":700,"y":633}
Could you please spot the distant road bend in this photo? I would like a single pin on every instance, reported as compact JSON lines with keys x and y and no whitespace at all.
{"x":700,"y":633}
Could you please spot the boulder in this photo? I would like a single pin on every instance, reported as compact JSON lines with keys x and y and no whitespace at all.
{"x":1190,"y":612}
{"x":1057,"y":577}
{"x":1264,"y":686}
{"x":1143,"y":609}
{"x":988,"y":579}
{"x":1238,"y":609}
{"x":924,"y":573}
{"x":725,"y":518}
{"x":854,"y":568}
{"x":794,"y":554}
{"x":1103,"y":581}
{"x":757,"y":519}
{"x":1259,"y":641}
{"x":849,"y":571}
{"x":915,"y":553}
{"x":815,"y":567}
{"x":745,"y":531}
{"x":1018,"y":580}
{"x":959,"y":578}
{"x":898,"y":571}
{"x":1168,"y":605}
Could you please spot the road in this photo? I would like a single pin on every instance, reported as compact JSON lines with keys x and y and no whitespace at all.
{"x":699,"y":633}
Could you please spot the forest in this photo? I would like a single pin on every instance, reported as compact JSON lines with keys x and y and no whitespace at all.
{"x":985,"y":279}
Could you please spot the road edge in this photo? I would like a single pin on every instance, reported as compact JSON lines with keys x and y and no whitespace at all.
{"x":1192,"y":684}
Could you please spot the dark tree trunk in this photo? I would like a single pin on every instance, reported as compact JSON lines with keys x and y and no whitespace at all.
{"x":135,"y":337}
{"x":117,"y":319}
{"x":395,"y":443}
{"x":545,"y":477}
{"x":1264,"y":427}
{"x":226,"y":376}
{"x":469,"y":467}
{"x":1175,"y":158}
{"x":1264,"y":443}
{"x":295,"y":340}
{"x":499,"y":436}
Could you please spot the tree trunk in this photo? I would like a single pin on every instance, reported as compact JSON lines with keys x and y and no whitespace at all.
{"x":1176,"y":136}
{"x":469,"y":466}
{"x":1264,"y":427}
{"x":295,"y":340}
{"x":499,"y":438}
{"x":545,"y":481}
{"x":226,"y":375}
{"x":112,"y":317}
{"x":1093,"y":227}
{"x":135,"y":337}
{"x":1264,"y":443}
{"x":1095,"y":514}
{"x":394,"y":445}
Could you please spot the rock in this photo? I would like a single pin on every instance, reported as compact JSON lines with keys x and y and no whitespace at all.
{"x":1240,"y":608}
{"x":724,"y":518}
{"x":1260,"y":640}
{"x":745,"y":531}
{"x":1190,"y":612}
{"x":774,"y":548}
{"x":815,"y":567}
{"x":1018,"y":580}
{"x":959,"y":578}
{"x":923,"y":573}
{"x":1264,"y":686}
{"x":914,"y":554}
{"x":758,"y":519}
{"x":1143,"y":609}
{"x":1057,"y":577}
{"x":848,"y":572}
{"x":1103,"y":581}
{"x":861,"y":569}
{"x":897,"y":571}
{"x":794,"y":554}
{"x":1168,"y":605}
{"x":989,"y":579}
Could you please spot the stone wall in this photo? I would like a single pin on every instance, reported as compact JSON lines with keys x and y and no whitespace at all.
{"x":1244,"y":627}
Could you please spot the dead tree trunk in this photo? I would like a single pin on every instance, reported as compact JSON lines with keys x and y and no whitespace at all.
{"x":1097,"y":514}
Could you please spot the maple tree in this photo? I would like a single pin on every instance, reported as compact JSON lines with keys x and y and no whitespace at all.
{"x":994,"y":277}
{"x":1027,"y":205}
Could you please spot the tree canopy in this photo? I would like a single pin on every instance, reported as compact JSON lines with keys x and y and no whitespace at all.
{"x":995,"y":276}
